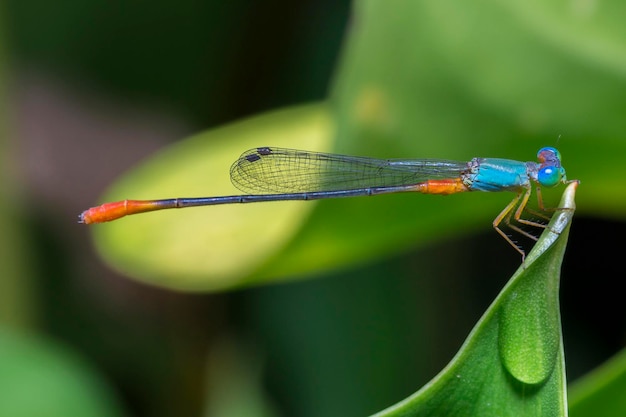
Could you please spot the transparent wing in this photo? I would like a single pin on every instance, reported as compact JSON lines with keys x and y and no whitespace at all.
{"x":277,"y":170}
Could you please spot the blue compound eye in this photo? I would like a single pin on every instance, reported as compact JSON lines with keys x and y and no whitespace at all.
{"x":550,"y":176}
{"x":548,"y":154}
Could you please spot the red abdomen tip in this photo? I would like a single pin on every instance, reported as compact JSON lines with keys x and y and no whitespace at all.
{"x":104,"y":213}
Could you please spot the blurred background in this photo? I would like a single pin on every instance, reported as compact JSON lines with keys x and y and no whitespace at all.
{"x":91,"y":88}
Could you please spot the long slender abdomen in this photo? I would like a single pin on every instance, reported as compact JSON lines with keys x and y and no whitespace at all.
{"x":112,"y":211}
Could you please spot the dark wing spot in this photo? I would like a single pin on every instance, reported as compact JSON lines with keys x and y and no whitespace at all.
{"x":264,"y":151}
{"x":253,"y":157}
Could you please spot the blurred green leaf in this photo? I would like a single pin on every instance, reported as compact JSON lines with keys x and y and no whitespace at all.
{"x":38,"y":378}
{"x":601,"y":392}
{"x":512,"y":362}
{"x":452,"y":79}
{"x":441,"y":79}
{"x":209,"y":249}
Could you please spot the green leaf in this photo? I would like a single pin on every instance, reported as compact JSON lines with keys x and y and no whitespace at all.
{"x":221,"y":246}
{"x":39,"y":378}
{"x":601,"y":392}
{"x":512,"y":362}
{"x":454,"y":79}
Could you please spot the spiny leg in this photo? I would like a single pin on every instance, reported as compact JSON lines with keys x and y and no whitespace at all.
{"x":505,"y":214}
{"x":522,"y":202}
{"x":541,"y":207}
{"x":520,"y":209}
{"x":516,"y":228}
